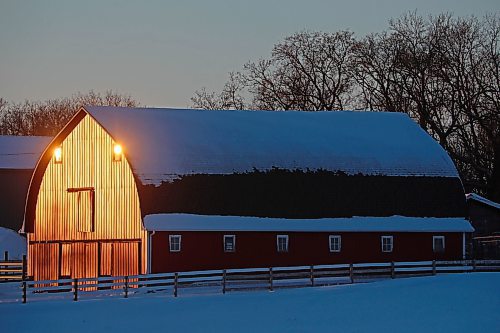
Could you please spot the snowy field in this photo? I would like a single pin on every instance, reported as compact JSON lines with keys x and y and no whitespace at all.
{"x":442,"y":303}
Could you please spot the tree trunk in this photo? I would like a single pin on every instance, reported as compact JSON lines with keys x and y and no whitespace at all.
{"x":494,"y":181}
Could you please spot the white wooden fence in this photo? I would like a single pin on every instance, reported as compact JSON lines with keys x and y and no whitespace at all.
{"x":231,"y":280}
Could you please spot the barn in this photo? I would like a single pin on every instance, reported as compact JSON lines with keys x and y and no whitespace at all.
{"x":134,"y":190}
{"x":18,"y":157}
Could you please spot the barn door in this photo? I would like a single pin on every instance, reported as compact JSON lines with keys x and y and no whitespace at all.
{"x":44,"y":261}
{"x":82,"y":201}
{"x":83,"y":260}
{"x":119,"y":258}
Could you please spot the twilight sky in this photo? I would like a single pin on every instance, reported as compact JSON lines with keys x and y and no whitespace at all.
{"x":160,"y":52}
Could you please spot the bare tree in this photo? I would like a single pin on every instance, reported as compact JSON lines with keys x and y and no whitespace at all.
{"x":48,"y":117}
{"x":306,"y":71}
{"x":230,"y":98}
{"x":442,"y":71}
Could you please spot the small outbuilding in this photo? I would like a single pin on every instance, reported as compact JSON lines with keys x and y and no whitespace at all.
{"x":484,"y":215}
{"x":122,"y":191}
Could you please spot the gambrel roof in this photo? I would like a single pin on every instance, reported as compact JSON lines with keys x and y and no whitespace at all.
{"x":164,"y":144}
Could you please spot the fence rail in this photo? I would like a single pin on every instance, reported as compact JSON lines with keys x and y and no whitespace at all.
{"x":230,"y":280}
{"x":12,"y":270}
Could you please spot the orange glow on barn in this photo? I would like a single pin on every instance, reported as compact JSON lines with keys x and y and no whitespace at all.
{"x":117,"y":152}
{"x":58,"y":155}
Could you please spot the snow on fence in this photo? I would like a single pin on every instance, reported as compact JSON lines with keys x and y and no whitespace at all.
{"x":232,"y":280}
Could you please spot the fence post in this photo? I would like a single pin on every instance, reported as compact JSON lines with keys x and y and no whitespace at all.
{"x":311,"y":275}
{"x":25,"y":268}
{"x":351,"y":272}
{"x":6,"y":255}
{"x":24,"y":291}
{"x":224,"y":281}
{"x":75,"y":290}
{"x":270,"y":278}
{"x":473,"y":265}
{"x":126,"y":286}
{"x":393,"y":272}
{"x":434,"y":267}
{"x":176,"y":281}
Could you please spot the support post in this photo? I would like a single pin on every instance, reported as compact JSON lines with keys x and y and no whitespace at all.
{"x":126,"y":286}
{"x":393,"y":272}
{"x":311,"y":275}
{"x":75,"y":290}
{"x":176,"y":282}
{"x":223,"y":281}
{"x":6,"y":255}
{"x":473,"y":265}
{"x":434,"y":267}
{"x":25,"y":268}
{"x":24,"y":291}
{"x":351,"y":272}
{"x":270,"y":278}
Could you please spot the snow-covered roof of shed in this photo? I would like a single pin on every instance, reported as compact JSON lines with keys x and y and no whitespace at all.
{"x":163,"y":144}
{"x":192,"y":222}
{"x":21,"y":152}
{"x":483,"y":200}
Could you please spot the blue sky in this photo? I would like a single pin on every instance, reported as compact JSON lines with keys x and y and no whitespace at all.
{"x":160,"y":52}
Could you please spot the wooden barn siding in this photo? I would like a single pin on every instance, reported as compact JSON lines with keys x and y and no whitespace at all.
{"x":313,"y":194}
{"x":87,"y":162}
{"x":204,"y":250}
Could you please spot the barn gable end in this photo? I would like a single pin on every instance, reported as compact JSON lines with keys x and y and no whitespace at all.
{"x":83,"y":214}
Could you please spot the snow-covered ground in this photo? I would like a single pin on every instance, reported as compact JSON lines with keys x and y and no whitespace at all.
{"x":442,"y":303}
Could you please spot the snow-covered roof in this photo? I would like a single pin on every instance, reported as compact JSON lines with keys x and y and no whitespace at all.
{"x":21,"y":152}
{"x":12,"y":242}
{"x":163,"y":144}
{"x":192,"y":222}
{"x":483,"y":200}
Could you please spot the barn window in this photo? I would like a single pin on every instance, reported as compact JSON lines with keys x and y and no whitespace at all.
{"x":387,"y":243}
{"x":335,"y":243}
{"x":229,"y":243}
{"x":58,"y":155}
{"x":117,"y":153}
{"x":438,"y":244}
{"x":175,"y":243}
{"x":82,"y":202}
{"x":282,"y":243}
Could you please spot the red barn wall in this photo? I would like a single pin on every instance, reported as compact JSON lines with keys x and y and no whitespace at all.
{"x":204,"y":250}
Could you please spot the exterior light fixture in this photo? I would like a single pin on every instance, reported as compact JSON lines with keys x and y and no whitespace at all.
{"x":117,"y":153}
{"x":58,"y":155}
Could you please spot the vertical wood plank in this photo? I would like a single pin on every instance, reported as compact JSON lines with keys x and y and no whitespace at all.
{"x":113,"y":207}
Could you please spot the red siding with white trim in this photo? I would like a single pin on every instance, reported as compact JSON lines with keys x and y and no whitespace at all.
{"x":204,"y":250}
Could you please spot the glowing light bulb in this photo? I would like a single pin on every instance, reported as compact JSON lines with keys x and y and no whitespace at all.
{"x":117,"y":149}
{"x":117,"y":153}
{"x":58,"y":154}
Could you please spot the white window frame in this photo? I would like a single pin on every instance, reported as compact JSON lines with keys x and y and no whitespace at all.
{"x":278,"y":243}
{"x":391,"y":243}
{"x":434,"y":243}
{"x":224,"y":243}
{"x":339,"y":242}
{"x":170,"y":237}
